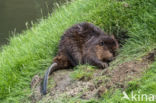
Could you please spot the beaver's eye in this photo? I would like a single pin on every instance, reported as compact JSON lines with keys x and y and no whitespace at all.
{"x":102,"y":43}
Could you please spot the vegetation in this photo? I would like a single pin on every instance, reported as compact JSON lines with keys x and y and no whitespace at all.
{"x":32,"y":51}
{"x":82,"y":72}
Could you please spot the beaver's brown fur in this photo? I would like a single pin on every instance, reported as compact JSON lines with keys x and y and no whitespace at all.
{"x":83,"y":43}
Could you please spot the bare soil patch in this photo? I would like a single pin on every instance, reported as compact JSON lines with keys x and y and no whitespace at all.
{"x":100,"y":83}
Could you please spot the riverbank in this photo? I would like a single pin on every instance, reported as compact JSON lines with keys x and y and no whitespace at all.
{"x":31,"y":52}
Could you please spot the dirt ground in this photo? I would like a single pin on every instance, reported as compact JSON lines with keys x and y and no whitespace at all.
{"x":100,"y":83}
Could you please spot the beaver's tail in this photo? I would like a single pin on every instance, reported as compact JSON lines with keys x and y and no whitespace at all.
{"x":45,"y":81}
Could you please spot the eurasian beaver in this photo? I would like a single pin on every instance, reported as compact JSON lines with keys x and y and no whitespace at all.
{"x":83,"y":43}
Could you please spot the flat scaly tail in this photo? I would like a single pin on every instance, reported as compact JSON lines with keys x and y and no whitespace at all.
{"x":45,"y":81}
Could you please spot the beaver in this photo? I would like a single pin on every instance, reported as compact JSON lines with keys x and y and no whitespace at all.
{"x":83,"y":43}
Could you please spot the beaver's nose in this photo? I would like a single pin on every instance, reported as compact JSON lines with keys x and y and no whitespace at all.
{"x":115,"y":53}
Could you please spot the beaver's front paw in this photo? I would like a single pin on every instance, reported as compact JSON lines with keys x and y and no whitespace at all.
{"x":103,"y":65}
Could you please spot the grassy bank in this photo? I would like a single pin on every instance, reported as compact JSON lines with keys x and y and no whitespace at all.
{"x":32,"y":51}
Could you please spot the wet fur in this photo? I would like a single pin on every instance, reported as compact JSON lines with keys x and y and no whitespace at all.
{"x":83,"y":43}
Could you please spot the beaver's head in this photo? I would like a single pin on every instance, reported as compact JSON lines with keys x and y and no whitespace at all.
{"x":106,"y":48}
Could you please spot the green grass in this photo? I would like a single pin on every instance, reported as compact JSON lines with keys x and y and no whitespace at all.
{"x":31,"y":52}
{"x":83,"y":72}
